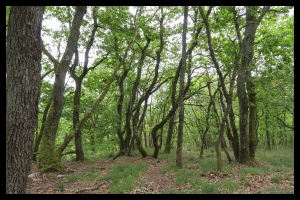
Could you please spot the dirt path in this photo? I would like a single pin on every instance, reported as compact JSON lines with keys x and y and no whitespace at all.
{"x":150,"y":182}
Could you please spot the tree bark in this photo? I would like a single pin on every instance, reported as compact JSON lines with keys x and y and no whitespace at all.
{"x":23,"y":81}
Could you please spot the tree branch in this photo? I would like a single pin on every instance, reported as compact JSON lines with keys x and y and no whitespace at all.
{"x":48,"y":54}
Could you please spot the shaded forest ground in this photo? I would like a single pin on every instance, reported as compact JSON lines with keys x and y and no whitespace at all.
{"x":273,"y":174}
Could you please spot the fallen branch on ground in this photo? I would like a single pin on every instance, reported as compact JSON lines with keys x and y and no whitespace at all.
{"x":94,"y":188}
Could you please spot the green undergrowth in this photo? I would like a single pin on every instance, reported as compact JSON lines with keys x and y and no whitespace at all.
{"x":123,"y":176}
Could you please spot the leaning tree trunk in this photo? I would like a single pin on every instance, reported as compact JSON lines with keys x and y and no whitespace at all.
{"x":48,"y":157}
{"x":23,"y":81}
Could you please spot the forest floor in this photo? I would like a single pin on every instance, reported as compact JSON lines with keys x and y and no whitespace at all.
{"x":151,"y":181}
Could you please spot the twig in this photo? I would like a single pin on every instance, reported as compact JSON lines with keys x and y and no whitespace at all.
{"x":94,"y":188}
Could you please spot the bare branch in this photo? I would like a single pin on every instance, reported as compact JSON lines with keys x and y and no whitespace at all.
{"x":48,"y":54}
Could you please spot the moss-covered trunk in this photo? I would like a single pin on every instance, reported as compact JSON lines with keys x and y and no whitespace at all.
{"x":48,"y":157}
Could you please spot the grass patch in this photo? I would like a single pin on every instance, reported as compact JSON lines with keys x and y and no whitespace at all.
{"x":228,"y":186}
{"x":208,"y":165}
{"x":208,"y":188}
{"x":84,"y":177}
{"x":275,"y":179}
{"x":185,"y":176}
{"x":123,"y":176}
{"x":281,"y":157}
{"x":276,"y":190}
{"x":169,"y":168}
{"x":246,"y":170}
{"x":60,"y":186}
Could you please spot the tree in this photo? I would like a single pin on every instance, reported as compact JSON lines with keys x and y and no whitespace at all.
{"x":23,"y":71}
{"x":48,"y":157}
{"x":88,"y":114}
{"x":252,"y":23}
{"x":181,"y":92}
{"x":138,"y":95}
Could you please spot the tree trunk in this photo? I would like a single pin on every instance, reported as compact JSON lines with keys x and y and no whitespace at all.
{"x":48,"y":157}
{"x":247,"y":54}
{"x":253,"y":123}
{"x":23,"y":81}
{"x":181,"y":92}
{"x":120,"y":111}
{"x":169,"y":135}
{"x":268,"y":131}
{"x":39,"y":137}
{"x":78,"y":81}
{"x":203,"y":138}
{"x":76,"y":111}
